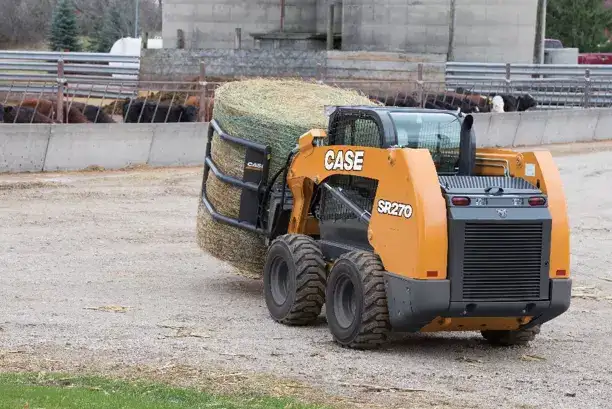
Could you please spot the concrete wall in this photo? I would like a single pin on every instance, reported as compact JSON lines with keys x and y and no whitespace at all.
{"x":176,"y":65}
{"x":322,"y":15}
{"x":495,"y":31}
{"x":42,"y":147}
{"x":396,"y":25}
{"x":484,"y":30}
{"x":212,"y":23}
{"x":35,"y":148}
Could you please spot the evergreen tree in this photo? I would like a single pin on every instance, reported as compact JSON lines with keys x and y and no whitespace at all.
{"x":114,"y":25}
{"x":64,"y":29}
{"x":580,"y":24}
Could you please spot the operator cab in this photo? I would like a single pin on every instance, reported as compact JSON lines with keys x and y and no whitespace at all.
{"x":448,"y":135}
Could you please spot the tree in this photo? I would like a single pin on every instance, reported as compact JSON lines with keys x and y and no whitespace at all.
{"x":580,"y":24}
{"x":64,"y":29}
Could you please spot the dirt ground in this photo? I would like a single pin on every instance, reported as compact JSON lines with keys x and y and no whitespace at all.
{"x":101,"y":270}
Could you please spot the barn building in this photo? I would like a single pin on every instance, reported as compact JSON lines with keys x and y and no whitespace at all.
{"x":464,"y":30}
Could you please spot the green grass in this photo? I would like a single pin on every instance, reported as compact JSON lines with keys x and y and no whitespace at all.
{"x":35,"y":391}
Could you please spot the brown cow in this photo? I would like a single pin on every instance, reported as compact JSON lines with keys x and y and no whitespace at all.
{"x":24,"y":115}
{"x":42,"y":106}
{"x":92,"y":113}
{"x":48,"y":108}
{"x":209,"y":104}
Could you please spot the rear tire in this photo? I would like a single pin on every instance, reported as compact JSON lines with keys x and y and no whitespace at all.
{"x":294,"y":280}
{"x":511,"y":337}
{"x":357,"y":312}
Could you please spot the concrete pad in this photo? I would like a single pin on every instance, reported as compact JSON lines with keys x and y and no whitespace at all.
{"x":531,"y":128}
{"x":23,"y":147}
{"x":112,"y":146}
{"x":178,"y":144}
{"x":571,"y":125}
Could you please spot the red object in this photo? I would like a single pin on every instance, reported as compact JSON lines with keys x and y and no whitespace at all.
{"x":595,"y":58}
{"x":537,"y":201}
{"x":460,"y":201}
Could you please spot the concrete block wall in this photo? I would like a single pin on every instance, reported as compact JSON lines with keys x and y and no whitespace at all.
{"x":495,"y":31}
{"x":212,"y":23}
{"x":322,"y":11}
{"x":396,"y":25}
{"x":485,"y":30}
{"x":177,"y":65}
{"x":42,"y":147}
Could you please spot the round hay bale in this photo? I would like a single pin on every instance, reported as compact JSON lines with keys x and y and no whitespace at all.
{"x":230,"y":244}
{"x":271,"y":112}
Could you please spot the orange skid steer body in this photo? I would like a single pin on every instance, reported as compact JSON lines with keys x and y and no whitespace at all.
{"x":393,"y":220}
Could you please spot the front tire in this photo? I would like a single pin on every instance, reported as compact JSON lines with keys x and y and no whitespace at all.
{"x":294,"y":280}
{"x":357,"y":312}
{"x":511,"y":337}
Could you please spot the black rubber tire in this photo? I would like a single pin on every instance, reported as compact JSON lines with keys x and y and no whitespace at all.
{"x":294,"y":280}
{"x":358,"y":277}
{"x":511,"y":337}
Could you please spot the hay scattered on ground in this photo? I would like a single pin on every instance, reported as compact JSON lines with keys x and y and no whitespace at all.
{"x":270,"y":112}
{"x":26,"y":185}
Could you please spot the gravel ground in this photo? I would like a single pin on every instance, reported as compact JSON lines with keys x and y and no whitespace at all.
{"x":73,"y":244}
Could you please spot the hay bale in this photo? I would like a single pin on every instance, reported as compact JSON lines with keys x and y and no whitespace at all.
{"x":270,"y":112}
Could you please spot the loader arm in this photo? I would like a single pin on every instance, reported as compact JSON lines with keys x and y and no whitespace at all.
{"x":409,"y":212}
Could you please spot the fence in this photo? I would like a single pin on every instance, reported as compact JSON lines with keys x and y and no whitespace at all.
{"x":47,"y":87}
{"x":98,"y":84}
{"x":82,"y":74}
{"x":552,"y":85}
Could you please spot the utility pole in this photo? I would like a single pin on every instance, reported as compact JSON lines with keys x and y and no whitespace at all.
{"x":136,"y":11}
{"x":540,"y":33}
{"x":450,"y":53}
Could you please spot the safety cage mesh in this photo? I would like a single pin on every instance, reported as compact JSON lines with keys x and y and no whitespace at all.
{"x":354,"y":129}
{"x":440,"y":133}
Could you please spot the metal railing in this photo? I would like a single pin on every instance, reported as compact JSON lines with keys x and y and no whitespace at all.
{"x":552,"y":85}
{"x":85,"y":74}
{"x":55,"y":87}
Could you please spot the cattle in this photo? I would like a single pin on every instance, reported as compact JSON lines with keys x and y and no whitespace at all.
{"x":462,"y":100}
{"x":209,"y":103}
{"x":42,"y":106}
{"x":399,"y":100}
{"x":148,"y":112}
{"x":24,"y":115}
{"x":1,"y":113}
{"x":497,"y":104}
{"x":48,"y":108}
{"x":92,"y":113}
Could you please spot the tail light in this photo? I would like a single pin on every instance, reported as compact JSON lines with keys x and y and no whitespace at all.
{"x":460,"y":201}
{"x":537,"y":201}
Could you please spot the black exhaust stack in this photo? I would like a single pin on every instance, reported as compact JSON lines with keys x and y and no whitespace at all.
{"x":467,"y":147}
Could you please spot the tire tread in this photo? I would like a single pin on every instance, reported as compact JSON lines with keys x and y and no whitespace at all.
{"x":375,"y":326}
{"x":310,"y":279}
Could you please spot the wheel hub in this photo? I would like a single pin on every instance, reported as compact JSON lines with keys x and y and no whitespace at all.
{"x":279,"y":280}
{"x":345,"y":305}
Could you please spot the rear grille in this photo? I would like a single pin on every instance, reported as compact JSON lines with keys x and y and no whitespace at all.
{"x":502,"y":261}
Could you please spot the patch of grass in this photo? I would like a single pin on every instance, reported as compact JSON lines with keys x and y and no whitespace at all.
{"x":65,"y":392}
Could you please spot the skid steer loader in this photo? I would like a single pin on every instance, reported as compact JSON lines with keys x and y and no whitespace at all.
{"x":394,"y":221}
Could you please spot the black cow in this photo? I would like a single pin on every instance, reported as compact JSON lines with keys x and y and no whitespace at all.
{"x":1,"y":113}
{"x":520,"y":103}
{"x":147,"y":112}
{"x":93,"y":113}
{"x":399,"y":100}
{"x":24,"y":115}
